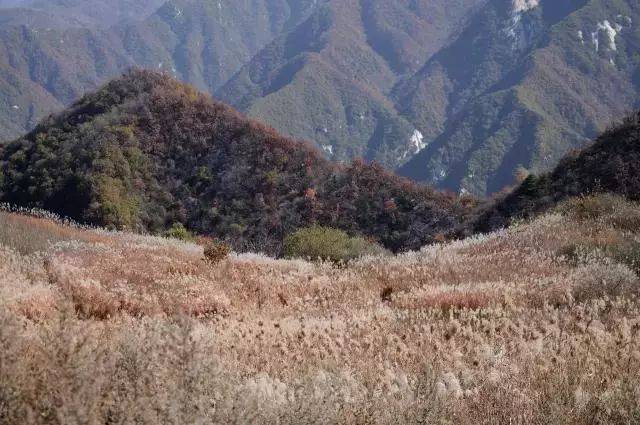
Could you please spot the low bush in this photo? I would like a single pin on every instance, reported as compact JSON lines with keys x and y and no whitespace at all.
{"x":328,"y":244}
{"x":613,"y":210}
{"x":215,"y":252}
{"x":609,"y":279}
{"x":626,"y":252}
{"x":590,"y":207}
{"x":178,"y":231}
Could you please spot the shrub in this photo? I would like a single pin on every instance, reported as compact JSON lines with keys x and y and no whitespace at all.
{"x":178,"y":231}
{"x":215,"y":252}
{"x":597,"y":280}
{"x":590,"y":207}
{"x":615,"y":210}
{"x":328,"y":244}
{"x":627,"y":253}
{"x":576,"y":253}
{"x":624,"y":251}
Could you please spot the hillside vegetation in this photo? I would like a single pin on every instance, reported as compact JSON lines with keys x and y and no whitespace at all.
{"x":146,"y":153}
{"x":525,"y":83}
{"x":82,"y":13}
{"x":55,"y":51}
{"x":610,"y":165}
{"x":538,"y":324}
{"x":460,"y":94}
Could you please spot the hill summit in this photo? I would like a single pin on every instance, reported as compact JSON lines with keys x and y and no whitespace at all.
{"x":146,"y":152}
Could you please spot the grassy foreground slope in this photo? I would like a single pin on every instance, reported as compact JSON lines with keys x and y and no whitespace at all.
{"x":518,"y":326}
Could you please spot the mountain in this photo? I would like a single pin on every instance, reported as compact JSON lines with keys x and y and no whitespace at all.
{"x":610,"y":165}
{"x":74,"y":13}
{"x":329,"y":79}
{"x":41,"y":71}
{"x":509,"y":85}
{"x":543,"y":78}
{"x":461,"y":94}
{"x":146,"y":152}
{"x":206,"y":42}
{"x":199,"y":41}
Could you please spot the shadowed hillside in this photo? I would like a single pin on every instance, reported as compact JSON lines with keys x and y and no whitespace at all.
{"x":610,"y":165}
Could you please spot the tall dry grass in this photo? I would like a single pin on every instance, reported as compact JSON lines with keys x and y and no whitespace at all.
{"x":111,"y":328}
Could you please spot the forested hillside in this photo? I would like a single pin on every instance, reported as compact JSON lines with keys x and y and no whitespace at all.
{"x":610,"y":165}
{"x":146,"y":152}
{"x":541,"y":79}
{"x":329,"y":80}
{"x":50,"y":56}
{"x":460,"y":94}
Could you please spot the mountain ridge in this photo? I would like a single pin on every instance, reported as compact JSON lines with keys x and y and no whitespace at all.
{"x":610,"y":164}
{"x":462,"y":95}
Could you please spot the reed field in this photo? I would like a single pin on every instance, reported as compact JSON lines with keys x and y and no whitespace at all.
{"x":535,"y":324}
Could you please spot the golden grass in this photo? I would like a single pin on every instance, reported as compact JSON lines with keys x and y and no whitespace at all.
{"x":99,"y":327}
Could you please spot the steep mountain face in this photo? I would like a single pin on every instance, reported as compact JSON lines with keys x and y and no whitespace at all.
{"x":41,"y":71}
{"x":23,"y":103}
{"x":461,"y":94}
{"x":198,"y":41}
{"x":329,"y":79}
{"x":206,"y":42}
{"x":74,"y":13}
{"x":146,"y":152}
{"x":541,"y":78}
{"x":610,"y":165}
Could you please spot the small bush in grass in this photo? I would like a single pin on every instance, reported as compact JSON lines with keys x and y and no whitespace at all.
{"x":215,"y":252}
{"x":615,"y":210}
{"x":576,"y":253}
{"x":178,"y":231}
{"x":625,"y":252}
{"x":611,"y":279}
{"x":589,"y":207}
{"x":325,"y":243}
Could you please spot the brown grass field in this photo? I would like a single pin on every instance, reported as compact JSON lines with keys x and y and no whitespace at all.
{"x":537,"y":324}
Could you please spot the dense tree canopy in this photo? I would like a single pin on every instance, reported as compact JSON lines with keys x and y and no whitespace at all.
{"x":145,"y":152}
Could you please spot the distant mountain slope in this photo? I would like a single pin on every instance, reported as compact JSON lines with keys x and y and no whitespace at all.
{"x":145,"y":152}
{"x":41,"y":71}
{"x":329,"y":79}
{"x":198,"y":41}
{"x":103,"y":13}
{"x":610,"y":165}
{"x":461,"y":94}
{"x":25,"y":102}
{"x":37,"y":19}
{"x":206,"y":42}
{"x":538,"y":82}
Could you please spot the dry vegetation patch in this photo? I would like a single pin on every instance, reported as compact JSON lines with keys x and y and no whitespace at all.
{"x":99,"y":327}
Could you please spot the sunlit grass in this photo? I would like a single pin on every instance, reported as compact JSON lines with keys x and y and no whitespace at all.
{"x":107,"y":327}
